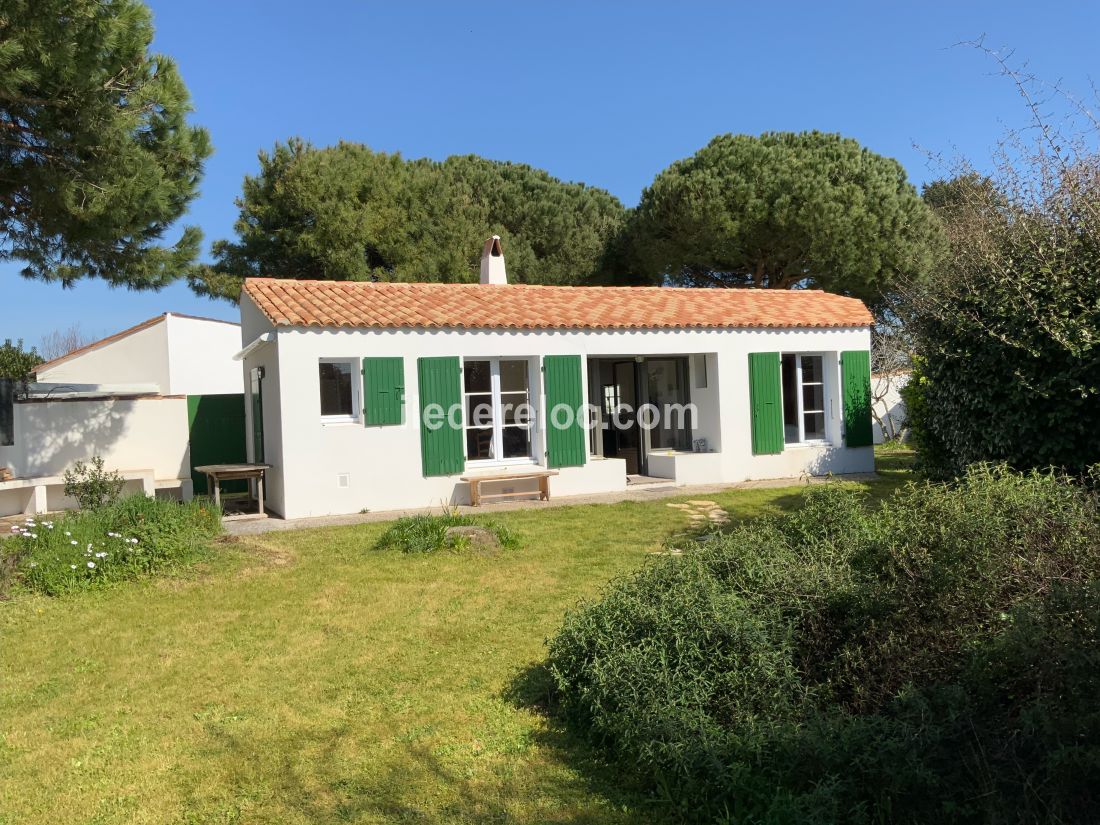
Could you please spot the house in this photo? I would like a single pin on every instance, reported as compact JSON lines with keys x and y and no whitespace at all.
{"x":153,"y":401}
{"x":383,"y":396}
{"x":172,"y":354}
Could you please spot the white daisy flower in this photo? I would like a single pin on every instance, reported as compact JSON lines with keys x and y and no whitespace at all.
{"x":91,"y":564}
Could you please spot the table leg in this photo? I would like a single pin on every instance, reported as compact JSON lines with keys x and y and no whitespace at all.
{"x":260,"y":492}
{"x":475,"y":493}
{"x":544,"y":488}
{"x":217,"y":490}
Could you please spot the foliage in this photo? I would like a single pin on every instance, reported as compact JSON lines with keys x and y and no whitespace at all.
{"x":18,"y":363}
{"x":345,"y":212}
{"x":908,"y":663}
{"x":1008,"y":330}
{"x":61,"y":342}
{"x":294,"y":649}
{"x":91,"y":485}
{"x":98,"y":158}
{"x":428,"y":533}
{"x":127,"y":539}
{"x":784,"y":210}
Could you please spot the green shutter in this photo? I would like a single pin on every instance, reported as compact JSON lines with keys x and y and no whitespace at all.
{"x":766,"y":401}
{"x":855,"y":378}
{"x":562,"y":381}
{"x":383,"y":390}
{"x":439,"y":383}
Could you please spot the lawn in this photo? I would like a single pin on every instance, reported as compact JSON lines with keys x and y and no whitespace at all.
{"x":304,"y":677}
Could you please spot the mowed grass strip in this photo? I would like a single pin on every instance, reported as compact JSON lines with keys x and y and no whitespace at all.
{"x":305,"y":677}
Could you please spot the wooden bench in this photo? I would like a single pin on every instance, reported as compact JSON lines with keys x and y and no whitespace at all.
{"x":475,"y":482}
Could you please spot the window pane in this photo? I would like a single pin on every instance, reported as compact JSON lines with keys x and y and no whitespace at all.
{"x":513,"y":376}
{"x":811,"y":368}
{"x":668,"y":394}
{"x":479,"y":410}
{"x":813,"y":398}
{"x":335,"y":380}
{"x":477,"y":376}
{"x":515,"y":409}
{"x":790,"y":400}
{"x":815,"y":425}
{"x":517,"y":442}
{"x":479,"y":443}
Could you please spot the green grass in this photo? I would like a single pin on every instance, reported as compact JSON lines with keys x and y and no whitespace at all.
{"x":306,"y":677}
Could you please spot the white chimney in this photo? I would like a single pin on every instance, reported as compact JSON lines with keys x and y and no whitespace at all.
{"x":492,"y":262}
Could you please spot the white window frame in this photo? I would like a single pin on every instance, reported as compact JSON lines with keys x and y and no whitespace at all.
{"x":800,"y":398}
{"x":498,"y":412}
{"x":356,"y":389}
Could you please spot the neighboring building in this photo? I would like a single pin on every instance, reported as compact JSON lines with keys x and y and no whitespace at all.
{"x":341,"y":374}
{"x":153,"y":401}
{"x":890,"y":417}
{"x":175,"y":354}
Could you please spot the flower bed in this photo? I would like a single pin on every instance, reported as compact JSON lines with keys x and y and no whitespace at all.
{"x":134,"y":537}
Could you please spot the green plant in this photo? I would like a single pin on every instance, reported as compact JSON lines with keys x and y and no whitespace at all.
{"x":428,"y":533}
{"x":18,"y":363}
{"x":837,"y":664}
{"x":91,"y":485}
{"x":127,"y":539}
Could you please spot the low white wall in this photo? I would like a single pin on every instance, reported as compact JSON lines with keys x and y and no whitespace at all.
{"x":129,"y":433}
{"x":686,"y":468}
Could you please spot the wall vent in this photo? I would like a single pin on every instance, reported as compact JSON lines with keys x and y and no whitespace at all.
{"x":343,"y":480}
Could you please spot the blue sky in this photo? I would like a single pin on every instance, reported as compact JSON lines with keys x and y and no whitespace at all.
{"x":605,"y":93}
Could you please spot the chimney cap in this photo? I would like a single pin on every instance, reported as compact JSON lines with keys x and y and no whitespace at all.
{"x":492,"y":247}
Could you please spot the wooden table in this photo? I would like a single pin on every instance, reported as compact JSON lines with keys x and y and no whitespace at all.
{"x":216,"y":473}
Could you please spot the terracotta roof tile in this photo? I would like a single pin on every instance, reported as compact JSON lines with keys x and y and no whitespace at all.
{"x":351,"y":304}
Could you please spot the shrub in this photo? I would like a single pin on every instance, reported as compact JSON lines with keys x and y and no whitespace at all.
{"x":91,"y":485}
{"x":134,"y":537}
{"x":909,"y":663}
{"x":428,"y":534}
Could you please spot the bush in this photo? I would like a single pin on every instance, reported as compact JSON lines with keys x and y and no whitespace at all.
{"x":91,"y":485}
{"x":840,"y":664}
{"x":134,"y":537}
{"x":428,"y":534}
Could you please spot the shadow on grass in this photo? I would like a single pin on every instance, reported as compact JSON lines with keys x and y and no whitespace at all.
{"x":531,"y":689}
{"x":314,"y":776}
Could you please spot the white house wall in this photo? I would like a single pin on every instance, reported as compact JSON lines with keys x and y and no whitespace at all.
{"x":139,"y":358}
{"x":179,"y":355}
{"x":200,"y":357}
{"x":325,"y":469}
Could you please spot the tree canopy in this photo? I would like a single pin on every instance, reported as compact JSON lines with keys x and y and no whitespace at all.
{"x":784,"y":210}
{"x":346,"y":212}
{"x":97,"y":160}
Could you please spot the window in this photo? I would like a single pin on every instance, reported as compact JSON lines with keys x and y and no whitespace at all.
{"x":803,"y":398}
{"x":339,"y":389}
{"x":701,"y":371}
{"x":666,"y":379}
{"x":498,"y":417}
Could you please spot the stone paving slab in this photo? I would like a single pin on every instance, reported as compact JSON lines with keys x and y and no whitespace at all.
{"x":656,"y":493}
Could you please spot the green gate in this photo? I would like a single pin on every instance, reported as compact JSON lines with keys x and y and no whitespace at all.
{"x":216,"y":428}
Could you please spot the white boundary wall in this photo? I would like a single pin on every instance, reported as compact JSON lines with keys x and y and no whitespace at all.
{"x":143,"y":437}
